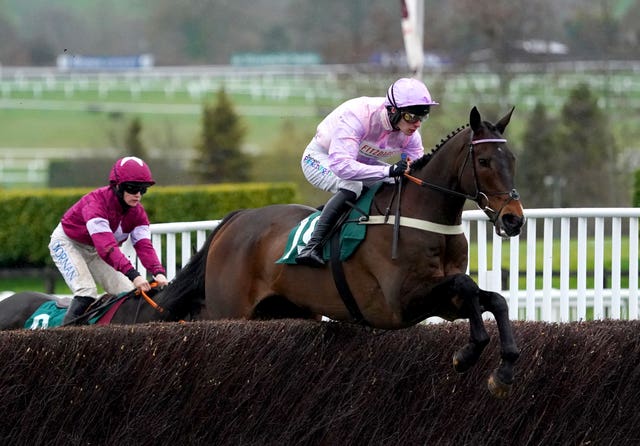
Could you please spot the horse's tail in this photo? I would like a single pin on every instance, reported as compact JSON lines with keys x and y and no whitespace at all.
{"x":189,"y":281}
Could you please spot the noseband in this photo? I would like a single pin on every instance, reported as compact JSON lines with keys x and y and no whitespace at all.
{"x":513,"y":193}
{"x":491,"y":213}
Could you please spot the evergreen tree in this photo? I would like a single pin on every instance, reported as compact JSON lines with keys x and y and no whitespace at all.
{"x":588,"y":151}
{"x":132,"y":143}
{"x":219,"y":156}
{"x":539,"y":172}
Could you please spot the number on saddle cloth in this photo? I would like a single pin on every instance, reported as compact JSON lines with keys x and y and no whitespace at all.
{"x":48,"y":315}
{"x":351,"y":233}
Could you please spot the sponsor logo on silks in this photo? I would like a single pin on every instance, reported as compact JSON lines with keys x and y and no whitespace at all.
{"x":315,"y":164}
{"x":63,"y":261}
{"x":376,"y":152}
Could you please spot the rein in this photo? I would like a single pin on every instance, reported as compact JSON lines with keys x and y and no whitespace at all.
{"x":491,"y":213}
{"x":151,"y":302}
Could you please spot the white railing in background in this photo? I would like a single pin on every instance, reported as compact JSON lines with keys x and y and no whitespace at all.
{"x":560,"y":291}
{"x":167,"y":236}
{"x":598,"y":236}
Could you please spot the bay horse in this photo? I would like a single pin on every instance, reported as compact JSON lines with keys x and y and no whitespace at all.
{"x":16,"y":309}
{"x":236,"y":276}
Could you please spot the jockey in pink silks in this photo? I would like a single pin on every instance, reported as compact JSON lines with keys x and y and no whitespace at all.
{"x":85,"y":246}
{"x":349,"y":147}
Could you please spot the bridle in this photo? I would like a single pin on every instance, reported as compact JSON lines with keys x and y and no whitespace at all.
{"x":478,"y":195}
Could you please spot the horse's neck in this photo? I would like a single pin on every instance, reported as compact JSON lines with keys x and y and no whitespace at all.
{"x":442,"y":171}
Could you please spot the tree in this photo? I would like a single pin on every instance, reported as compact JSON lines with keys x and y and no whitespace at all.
{"x":571,"y":161}
{"x":539,"y":173}
{"x":132,"y":143}
{"x":13,"y":48}
{"x":588,"y":152}
{"x":347,"y":32}
{"x":219,"y":155}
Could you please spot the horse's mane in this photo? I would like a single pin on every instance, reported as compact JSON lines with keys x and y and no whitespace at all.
{"x":420,"y":163}
{"x":187,"y":288}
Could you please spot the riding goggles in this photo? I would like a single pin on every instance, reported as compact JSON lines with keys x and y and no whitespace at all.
{"x":134,"y":188}
{"x":412,"y":118}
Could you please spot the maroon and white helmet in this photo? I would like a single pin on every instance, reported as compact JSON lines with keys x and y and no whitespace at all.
{"x":131,"y":169}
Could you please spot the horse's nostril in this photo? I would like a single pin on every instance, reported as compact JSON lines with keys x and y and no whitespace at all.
{"x":512,"y":222}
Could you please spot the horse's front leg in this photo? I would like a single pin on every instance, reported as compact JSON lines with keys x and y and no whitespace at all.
{"x":468,"y":356}
{"x":501,"y":379}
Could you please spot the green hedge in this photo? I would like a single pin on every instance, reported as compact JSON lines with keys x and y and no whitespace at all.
{"x":29,"y":217}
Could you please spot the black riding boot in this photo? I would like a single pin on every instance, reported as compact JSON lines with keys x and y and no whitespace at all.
{"x":311,"y":254}
{"x":78,"y":306}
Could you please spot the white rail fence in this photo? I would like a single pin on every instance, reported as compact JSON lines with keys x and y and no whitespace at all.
{"x":50,"y":89}
{"x":588,"y":258}
{"x":581,"y":252}
{"x":175,"y":243}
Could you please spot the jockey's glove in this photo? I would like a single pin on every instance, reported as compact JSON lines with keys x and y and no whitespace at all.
{"x":398,"y":169}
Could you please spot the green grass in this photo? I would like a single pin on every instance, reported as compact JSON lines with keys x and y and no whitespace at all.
{"x":556,"y":253}
{"x":17,"y":284}
{"x":45,"y":129}
{"x":35,"y":128}
{"x":124,"y":94}
{"x":83,"y":119}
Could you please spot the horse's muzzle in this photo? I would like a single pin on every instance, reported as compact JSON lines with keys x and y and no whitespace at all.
{"x":509,"y":225}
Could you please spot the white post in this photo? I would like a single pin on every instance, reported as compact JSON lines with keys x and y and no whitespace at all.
{"x":616,"y":252}
{"x":531,"y":269}
{"x":412,"y":32}
{"x":565,"y":238}
{"x":481,"y":237}
{"x":171,"y":255}
{"x":633,"y":268}
{"x":598,"y":266}
{"x":514,"y":276}
{"x":547,"y":269}
{"x":582,"y":269}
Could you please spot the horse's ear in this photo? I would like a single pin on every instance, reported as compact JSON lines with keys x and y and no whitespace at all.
{"x":502,"y":124}
{"x":475,"y":121}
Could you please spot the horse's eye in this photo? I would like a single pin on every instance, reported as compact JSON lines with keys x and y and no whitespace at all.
{"x":484,"y":162}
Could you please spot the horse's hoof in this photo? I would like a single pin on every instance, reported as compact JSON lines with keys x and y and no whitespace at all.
{"x":497,"y":387}
{"x":460,"y":364}
{"x":465,"y":358}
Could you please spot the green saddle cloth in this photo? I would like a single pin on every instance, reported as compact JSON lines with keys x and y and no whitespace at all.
{"x":351,"y":234}
{"x":50,"y":315}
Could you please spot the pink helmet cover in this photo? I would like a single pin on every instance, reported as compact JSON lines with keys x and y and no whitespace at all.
{"x":408,"y":92}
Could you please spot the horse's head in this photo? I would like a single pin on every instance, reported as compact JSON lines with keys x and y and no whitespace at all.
{"x":488,"y":175}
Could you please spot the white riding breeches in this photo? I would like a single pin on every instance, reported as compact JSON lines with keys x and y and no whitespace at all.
{"x":315,"y":168}
{"x":82,"y":268}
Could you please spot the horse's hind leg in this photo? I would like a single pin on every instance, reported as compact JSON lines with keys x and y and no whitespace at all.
{"x":468,"y":356}
{"x":501,"y":379}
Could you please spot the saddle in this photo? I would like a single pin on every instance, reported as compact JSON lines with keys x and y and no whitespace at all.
{"x":351,"y":231}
